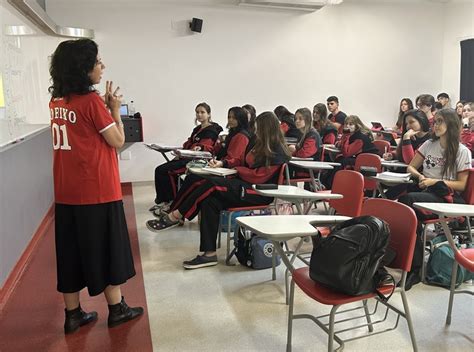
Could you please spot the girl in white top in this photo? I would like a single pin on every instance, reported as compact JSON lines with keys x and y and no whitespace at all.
{"x":445,"y":163}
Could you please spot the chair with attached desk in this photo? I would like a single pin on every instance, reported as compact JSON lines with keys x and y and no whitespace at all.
{"x":382,"y":146}
{"x":402,"y":241}
{"x":368,"y":159}
{"x":231,"y":211}
{"x":468,"y":196}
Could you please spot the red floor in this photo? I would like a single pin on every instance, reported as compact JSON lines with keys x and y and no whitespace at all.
{"x":33,"y":317}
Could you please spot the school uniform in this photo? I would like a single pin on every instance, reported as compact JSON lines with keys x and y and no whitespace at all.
{"x":329,"y":134}
{"x":340,"y":118}
{"x":433,"y":161}
{"x":309,"y":146}
{"x":219,"y":193}
{"x":289,"y":129}
{"x":232,"y":153}
{"x":410,"y":146}
{"x":467,"y":138}
{"x":166,"y":174}
{"x":92,"y":243}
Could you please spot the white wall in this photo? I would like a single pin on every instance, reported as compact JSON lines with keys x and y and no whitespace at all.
{"x":458,"y":22}
{"x":24,"y":65}
{"x":369,"y":55}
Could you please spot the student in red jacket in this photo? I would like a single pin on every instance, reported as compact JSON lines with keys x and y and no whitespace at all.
{"x":263,"y":163}
{"x":309,"y":144}
{"x":415,"y":132}
{"x":287,"y":122}
{"x":323,"y":125}
{"x":230,"y":155}
{"x":203,"y":137}
{"x":356,"y":139}
{"x":467,"y":135}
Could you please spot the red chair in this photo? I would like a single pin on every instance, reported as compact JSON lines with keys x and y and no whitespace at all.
{"x":468,"y":196}
{"x":367,"y":159}
{"x":230,"y":211}
{"x":402,"y":241}
{"x":382,"y":146}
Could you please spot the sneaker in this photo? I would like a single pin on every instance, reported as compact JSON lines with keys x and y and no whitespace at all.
{"x":163,"y":223}
{"x":201,"y":261}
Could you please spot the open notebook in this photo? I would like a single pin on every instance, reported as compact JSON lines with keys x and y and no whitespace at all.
{"x":395,"y":175}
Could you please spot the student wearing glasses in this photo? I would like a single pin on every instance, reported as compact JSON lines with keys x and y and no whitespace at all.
{"x":336,"y":116}
{"x":445,"y":163}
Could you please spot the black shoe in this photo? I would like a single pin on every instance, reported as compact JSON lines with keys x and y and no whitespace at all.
{"x":201,"y":261}
{"x":413,"y":278}
{"x":76,"y":318}
{"x":120,"y":313}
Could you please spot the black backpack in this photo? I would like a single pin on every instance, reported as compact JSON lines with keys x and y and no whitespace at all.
{"x":349,"y":259}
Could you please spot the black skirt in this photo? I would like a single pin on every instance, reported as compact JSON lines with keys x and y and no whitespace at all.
{"x":92,"y":247}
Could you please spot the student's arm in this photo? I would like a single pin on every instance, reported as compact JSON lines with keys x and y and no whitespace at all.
{"x":330,"y":138}
{"x":408,"y":153}
{"x":458,"y":185}
{"x":205,"y":144}
{"x":415,"y":164}
{"x":284,"y":128}
{"x":350,"y":149}
{"x":236,"y":151}
{"x":258,"y":175}
{"x":308,"y":149}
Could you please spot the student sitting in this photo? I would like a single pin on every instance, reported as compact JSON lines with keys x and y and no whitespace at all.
{"x":323,"y":125}
{"x":230,"y":155}
{"x":287,"y":122}
{"x":445,"y":164}
{"x":426,"y":103}
{"x":336,"y":116}
{"x":467,"y":113}
{"x":263,"y":164}
{"x":415,"y":132}
{"x":356,"y":139}
{"x":252,"y":115}
{"x":203,"y":137}
{"x":467,"y":135}
{"x":405,"y":105}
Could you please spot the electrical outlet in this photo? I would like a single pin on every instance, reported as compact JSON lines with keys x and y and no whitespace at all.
{"x":126,"y":155}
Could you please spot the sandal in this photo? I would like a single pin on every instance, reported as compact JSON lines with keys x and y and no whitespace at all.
{"x":160,"y":224}
{"x":162,"y":205}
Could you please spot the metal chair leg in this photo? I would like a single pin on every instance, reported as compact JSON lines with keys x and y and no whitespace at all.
{"x":452,"y":288}
{"x":423,"y":264}
{"x":367,"y":316}
{"x":229,"y":224}
{"x":332,"y":317}
{"x":220,"y":231}
{"x":290,"y":316}
{"x":406,"y":308}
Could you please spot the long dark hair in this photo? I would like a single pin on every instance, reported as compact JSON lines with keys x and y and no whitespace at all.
{"x":418,"y":115}
{"x":269,"y":138}
{"x":322,"y":111}
{"x":401,"y":113}
{"x":453,"y":135}
{"x":281,"y":111}
{"x":240,"y":115}
{"x":71,"y":63}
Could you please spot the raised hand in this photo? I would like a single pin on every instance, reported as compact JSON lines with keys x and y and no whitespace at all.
{"x":112,"y":97}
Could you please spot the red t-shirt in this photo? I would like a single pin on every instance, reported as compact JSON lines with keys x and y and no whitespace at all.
{"x":85,"y":166}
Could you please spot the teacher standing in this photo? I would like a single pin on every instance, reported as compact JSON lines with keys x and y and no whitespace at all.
{"x":92,"y":243}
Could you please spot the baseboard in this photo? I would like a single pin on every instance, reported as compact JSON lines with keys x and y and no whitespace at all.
{"x":19,"y":268}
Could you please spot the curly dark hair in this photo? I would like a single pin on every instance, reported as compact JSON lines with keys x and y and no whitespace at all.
{"x":70,"y":66}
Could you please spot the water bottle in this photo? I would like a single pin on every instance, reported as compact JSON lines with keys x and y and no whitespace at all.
{"x":131,"y":109}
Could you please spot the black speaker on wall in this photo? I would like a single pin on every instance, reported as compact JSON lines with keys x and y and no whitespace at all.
{"x":196,"y":25}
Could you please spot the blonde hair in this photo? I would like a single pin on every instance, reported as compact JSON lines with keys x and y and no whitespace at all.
{"x":359,"y":125}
